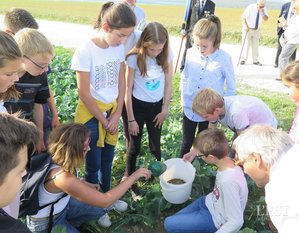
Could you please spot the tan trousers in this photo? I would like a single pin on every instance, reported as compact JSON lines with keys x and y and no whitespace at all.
{"x":252,"y":40}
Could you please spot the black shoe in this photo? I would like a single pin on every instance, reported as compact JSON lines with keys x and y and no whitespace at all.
{"x":257,"y":63}
{"x":275,"y":66}
{"x":242,"y":63}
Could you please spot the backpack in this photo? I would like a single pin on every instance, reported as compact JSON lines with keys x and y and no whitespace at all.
{"x":39,"y":166}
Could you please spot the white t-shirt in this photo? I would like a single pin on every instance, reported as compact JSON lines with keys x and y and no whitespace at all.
{"x":228,"y":200}
{"x":103,"y":66}
{"x":149,"y":88}
{"x":140,"y":15}
{"x":243,"y":111}
{"x":2,"y":108}
{"x":282,"y":192}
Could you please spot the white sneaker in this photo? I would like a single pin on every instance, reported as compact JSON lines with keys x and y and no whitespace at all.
{"x":120,"y":206}
{"x":104,"y":221}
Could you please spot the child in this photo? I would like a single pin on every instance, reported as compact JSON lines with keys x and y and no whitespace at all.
{"x":15,"y":135}
{"x":148,"y":92}
{"x":33,"y":84}
{"x":235,"y":112}
{"x":10,"y":65}
{"x":14,"y":20}
{"x":68,"y":145}
{"x":290,"y":78}
{"x":206,"y":66}
{"x":99,"y":66}
{"x":221,"y":210}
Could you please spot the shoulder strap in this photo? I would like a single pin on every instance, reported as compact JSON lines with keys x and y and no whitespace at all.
{"x":54,"y":176}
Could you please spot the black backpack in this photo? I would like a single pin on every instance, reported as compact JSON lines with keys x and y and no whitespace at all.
{"x":39,"y":166}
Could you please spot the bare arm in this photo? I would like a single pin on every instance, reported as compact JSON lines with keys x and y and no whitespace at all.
{"x":52,"y":106}
{"x":38,"y":119}
{"x":83,"y":192}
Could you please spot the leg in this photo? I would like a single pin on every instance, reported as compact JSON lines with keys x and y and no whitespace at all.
{"x":93,"y":157}
{"x":154,"y":133}
{"x":106,"y":166}
{"x":285,"y":55}
{"x":135,"y":141}
{"x":79,"y":212}
{"x":189,"y":128}
{"x":125,"y":126}
{"x":277,"y":53}
{"x":194,"y":218}
{"x":255,"y":45}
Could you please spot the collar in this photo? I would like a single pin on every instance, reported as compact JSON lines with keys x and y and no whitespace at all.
{"x":212,"y":56}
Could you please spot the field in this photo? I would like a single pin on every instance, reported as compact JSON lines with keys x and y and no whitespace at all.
{"x":170,"y":16}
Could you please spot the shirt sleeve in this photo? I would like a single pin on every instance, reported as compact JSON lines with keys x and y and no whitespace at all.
{"x":230,"y":79}
{"x":81,"y":60}
{"x":132,"y":61}
{"x":232,"y":207}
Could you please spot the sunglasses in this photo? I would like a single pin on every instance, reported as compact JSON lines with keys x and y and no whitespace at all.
{"x":38,"y":65}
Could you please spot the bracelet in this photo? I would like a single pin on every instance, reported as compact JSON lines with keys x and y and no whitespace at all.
{"x":131,"y":121}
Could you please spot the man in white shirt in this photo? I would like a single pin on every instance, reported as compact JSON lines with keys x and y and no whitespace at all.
{"x":270,"y":159}
{"x":251,"y":20}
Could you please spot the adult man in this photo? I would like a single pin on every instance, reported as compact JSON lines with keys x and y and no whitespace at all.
{"x":270,"y":159}
{"x":251,"y":20}
{"x":286,"y":12}
{"x":198,"y":10}
{"x":291,"y":38}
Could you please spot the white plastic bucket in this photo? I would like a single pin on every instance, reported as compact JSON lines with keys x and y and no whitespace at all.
{"x":179,"y":169}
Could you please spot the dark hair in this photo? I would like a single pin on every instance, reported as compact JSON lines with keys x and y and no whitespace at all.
{"x":212,"y":142}
{"x":66,"y":145}
{"x":15,"y":133}
{"x":153,"y":33}
{"x":116,"y":15}
{"x":16,"y":19}
{"x":210,"y":29}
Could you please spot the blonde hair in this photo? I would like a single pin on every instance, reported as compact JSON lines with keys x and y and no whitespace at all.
{"x":66,"y":145}
{"x":116,"y":15}
{"x":9,"y":51}
{"x":212,"y":142}
{"x":208,"y":29}
{"x":154,"y":33}
{"x":32,"y":42}
{"x":291,"y":73}
{"x":206,"y":101}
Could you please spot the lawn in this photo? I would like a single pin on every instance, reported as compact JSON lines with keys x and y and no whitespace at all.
{"x":170,"y":16}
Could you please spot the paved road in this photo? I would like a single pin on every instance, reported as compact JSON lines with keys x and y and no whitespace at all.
{"x":70,"y":35}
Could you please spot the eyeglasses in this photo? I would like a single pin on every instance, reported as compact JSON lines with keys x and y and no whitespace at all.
{"x":199,"y":155}
{"x":38,"y":65}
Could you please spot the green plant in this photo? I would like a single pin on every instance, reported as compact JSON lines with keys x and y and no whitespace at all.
{"x":147,"y":214}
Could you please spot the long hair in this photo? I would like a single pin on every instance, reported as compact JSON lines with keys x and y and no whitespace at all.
{"x":153,"y":33}
{"x":116,"y":15}
{"x":66,"y":145}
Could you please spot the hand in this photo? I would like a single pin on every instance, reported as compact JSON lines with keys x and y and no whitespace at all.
{"x":183,"y":32}
{"x":112,"y":126}
{"x":55,"y":122}
{"x":189,"y":156}
{"x":142,"y":172}
{"x":41,"y":145}
{"x":133,"y":128}
{"x":160,"y":118}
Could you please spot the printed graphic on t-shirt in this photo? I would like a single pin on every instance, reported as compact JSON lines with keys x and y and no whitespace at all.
{"x":152,"y":79}
{"x":106,"y":76}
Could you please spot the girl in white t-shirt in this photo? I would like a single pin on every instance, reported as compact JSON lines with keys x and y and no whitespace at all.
{"x":99,"y":66}
{"x":148,"y":92}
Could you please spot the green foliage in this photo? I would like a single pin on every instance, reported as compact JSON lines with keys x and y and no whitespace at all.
{"x":147,"y":214}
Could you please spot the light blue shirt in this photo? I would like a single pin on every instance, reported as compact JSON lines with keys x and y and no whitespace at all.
{"x":215,"y":71}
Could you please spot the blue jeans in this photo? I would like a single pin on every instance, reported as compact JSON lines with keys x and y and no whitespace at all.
{"x":194,"y":218}
{"x":98,"y":159}
{"x":73,"y":215}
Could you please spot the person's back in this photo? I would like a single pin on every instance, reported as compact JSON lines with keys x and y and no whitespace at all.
{"x":243,"y":111}
{"x":222,"y":209}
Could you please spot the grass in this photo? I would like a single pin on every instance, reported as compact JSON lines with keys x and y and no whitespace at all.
{"x":170,"y":16}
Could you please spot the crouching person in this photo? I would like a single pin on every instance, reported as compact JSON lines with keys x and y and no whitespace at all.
{"x":221,"y":210}
{"x":68,"y":145}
